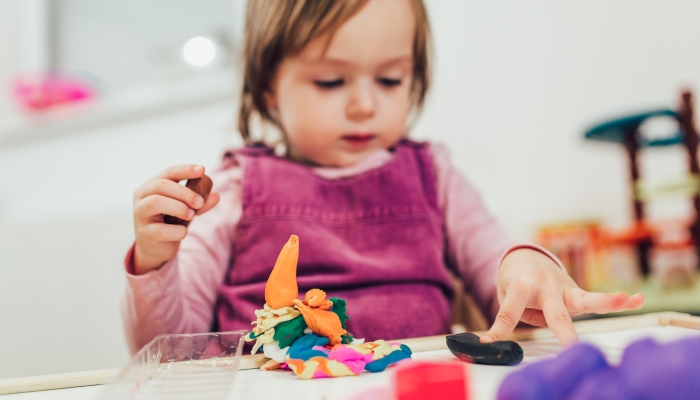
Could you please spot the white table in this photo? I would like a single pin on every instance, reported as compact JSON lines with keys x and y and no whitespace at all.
{"x":484,"y":380}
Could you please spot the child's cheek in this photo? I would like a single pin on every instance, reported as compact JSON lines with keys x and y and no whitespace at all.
{"x":319,"y":113}
{"x":395,"y":110}
{"x":311,"y":129}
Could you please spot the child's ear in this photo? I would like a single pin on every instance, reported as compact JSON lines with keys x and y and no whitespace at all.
{"x":270,"y":99}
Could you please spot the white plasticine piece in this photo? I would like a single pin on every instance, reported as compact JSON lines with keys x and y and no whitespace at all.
{"x":357,"y":341}
{"x":307,"y":331}
{"x":273,"y":351}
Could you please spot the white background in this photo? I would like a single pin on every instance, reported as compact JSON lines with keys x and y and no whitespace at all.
{"x":516,"y":84}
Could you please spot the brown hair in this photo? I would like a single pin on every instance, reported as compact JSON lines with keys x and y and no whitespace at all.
{"x":279,"y":28}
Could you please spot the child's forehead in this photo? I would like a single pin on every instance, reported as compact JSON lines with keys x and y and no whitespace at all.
{"x":370,"y":36}
{"x":335,"y":61}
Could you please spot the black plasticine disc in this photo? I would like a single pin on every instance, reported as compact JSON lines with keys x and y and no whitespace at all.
{"x":466,"y":347}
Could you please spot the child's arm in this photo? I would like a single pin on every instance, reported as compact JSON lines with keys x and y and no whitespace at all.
{"x":529,"y":284}
{"x":475,"y":240}
{"x":179,"y":296}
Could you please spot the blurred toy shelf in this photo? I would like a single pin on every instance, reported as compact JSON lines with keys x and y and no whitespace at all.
{"x":658,"y":258}
{"x":141,"y":101}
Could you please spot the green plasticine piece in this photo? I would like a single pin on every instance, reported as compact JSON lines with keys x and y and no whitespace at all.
{"x":289,"y":331}
{"x":346,"y":339}
{"x":340,"y":307}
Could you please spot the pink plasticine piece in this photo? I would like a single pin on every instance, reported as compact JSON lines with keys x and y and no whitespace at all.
{"x":355,"y":361}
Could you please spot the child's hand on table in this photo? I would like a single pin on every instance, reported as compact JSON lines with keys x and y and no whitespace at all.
{"x":156,"y":241}
{"x":532,"y":288}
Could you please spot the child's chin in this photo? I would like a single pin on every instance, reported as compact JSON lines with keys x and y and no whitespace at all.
{"x":348,"y":159}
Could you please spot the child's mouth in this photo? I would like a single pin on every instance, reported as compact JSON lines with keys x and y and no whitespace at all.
{"x":358,"y":138}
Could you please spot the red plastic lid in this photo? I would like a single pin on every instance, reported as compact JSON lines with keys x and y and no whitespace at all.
{"x":431,"y":380}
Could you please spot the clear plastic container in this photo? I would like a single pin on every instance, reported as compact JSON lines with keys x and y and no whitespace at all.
{"x":199,"y":366}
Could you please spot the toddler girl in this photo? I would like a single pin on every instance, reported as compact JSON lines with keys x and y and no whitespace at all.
{"x":380,"y":218}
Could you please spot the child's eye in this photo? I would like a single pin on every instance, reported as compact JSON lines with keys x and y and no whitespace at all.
{"x":329,"y":84}
{"x":388,"y":82}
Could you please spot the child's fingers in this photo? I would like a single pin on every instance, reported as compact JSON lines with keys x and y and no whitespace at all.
{"x":580,"y":301}
{"x":157,"y":205}
{"x":533,"y":317}
{"x":635,"y":301}
{"x":559,"y":319}
{"x":508,"y":316}
{"x":162,"y":232}
{"x":171,"y":189}
{"x":212,"y":200}
{"x":179,"y":173}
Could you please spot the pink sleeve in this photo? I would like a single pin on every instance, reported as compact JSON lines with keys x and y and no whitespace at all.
{"x":476,"y":244}
{"x":179,"y":297}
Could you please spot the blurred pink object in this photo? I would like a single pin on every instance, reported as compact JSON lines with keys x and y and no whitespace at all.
{"x":378,"y":393}
{"x":45,"y":92}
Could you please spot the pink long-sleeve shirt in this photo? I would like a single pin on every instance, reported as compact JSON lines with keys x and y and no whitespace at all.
{"x":180,"y":296}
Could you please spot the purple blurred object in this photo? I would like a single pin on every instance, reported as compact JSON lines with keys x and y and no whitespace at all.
{"x":662,"y":371}
{"x":555,"y":378}
{"x":648,"y":371}
{"x":603,"y":385}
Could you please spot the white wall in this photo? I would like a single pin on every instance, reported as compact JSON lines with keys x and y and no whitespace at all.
{"x":516,"y":84}
{"x":65,"y":227}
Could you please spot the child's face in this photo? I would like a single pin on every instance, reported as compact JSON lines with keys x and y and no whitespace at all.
{"x":337,"y":107}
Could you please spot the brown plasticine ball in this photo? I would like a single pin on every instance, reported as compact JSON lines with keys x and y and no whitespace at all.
{"x":201,"y":186}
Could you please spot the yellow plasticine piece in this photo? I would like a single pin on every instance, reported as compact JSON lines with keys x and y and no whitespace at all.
{"x":269,"y":312}
{"x":281,"y":288}
{"x":382,"y":350}
{"x":269,"y":317}
{"x":267,"y":337}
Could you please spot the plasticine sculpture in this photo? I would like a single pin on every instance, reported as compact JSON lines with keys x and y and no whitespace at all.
{"x":282,"y":329}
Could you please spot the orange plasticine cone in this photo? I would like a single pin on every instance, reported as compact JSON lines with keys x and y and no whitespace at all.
{"x":281,"y":289}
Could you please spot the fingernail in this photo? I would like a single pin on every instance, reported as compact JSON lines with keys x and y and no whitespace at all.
{"x":190,"y":213}
{"x":198,"y":201}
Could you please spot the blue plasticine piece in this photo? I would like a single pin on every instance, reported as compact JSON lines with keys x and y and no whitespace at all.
{"x":394,"y":357}
{"x":302,"y":348}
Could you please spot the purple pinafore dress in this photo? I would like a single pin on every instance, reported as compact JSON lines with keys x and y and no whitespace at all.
{"x":375,"y":239}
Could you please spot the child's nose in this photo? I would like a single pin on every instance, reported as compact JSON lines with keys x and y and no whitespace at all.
{"x":362,"y":104}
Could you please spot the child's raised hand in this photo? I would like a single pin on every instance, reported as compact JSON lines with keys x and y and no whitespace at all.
{"x":533,"y":289}
{"x":156,"y":241}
